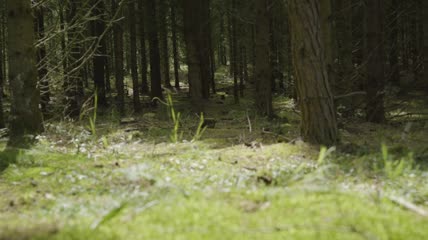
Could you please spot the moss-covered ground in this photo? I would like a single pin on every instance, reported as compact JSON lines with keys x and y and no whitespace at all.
{"x":245,"y":178}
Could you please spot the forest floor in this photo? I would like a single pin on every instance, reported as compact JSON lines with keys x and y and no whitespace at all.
{"x":245,"y":177}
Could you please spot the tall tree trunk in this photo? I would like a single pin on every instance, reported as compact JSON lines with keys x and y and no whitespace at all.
{"x":118,"y":57}
{"x":263,"y":69}
{"x":26,"y":117}
{"x":133,"y":56}
{"x":344,"y":82}
{"x":318,"y":124}
{"x":375,"y":111}
{"x":143,"y":48}
{"x":235,"y":51}
{"x":155,"y":71}
{"x":196,"y":34}
{"x":163,"y":35}
{"x":175,"y":45}
{"x":41,"y":60}
{"x":73,"y":78}
{"x":99,"y":59}
{"x":393,"y":42}
{"x":230,"y":39}
{"x":2,"y":72}
{"x":425,"y":33}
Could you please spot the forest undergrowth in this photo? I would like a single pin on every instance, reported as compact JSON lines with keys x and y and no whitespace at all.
{"x":243,"y":177}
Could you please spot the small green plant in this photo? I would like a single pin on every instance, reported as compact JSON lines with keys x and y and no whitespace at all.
{"x":201,"y":128}
{"x":390,"y":167}
{"x":93,"y":118}
{"x":324,"y":153}
{"x":175,"y":136}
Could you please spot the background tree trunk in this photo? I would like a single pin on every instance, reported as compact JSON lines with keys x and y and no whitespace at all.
{"x":42,"y":61}
{"x":318,"y":124}
{"x":155,"y":70}
{"x":425,"y":23}
{"x":375,"y":111}
{"x":99,"y":59}
{"x":163,"y":36}
{"x":133,"y":56}
{"x":175,"y":41}
{"x":143,"y":48}
{"x":262,"y":66}
{"x":118,"y":58}
{"x":196,"y":34}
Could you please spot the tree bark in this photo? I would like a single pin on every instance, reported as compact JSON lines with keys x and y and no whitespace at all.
{"x":41,"y":61}
{"x":2,"y":76}
{"x":143,"y":48}
{"x":26,"y":117}
{"x":175,"y":46}
{"x":318,"y":124}
{"x":99,"y":59}
{"x":425,"y":33}
{"x":155,"y":70}
{"x":118,"y":58}
{"x":196,"y":34}
{"x":375,"y":111}
{"x":133,"y":56}
{"x":163,"y":35}
{"x":73,"y":79}
{"x":262,"y":65}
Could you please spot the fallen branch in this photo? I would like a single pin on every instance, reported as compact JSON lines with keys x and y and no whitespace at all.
{"x":408,"y":205}
{"x":350,"y":95}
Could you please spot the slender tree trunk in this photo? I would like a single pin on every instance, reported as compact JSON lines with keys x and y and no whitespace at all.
{"x":175,"y":46}
{"x":133,"y":56}
{"x":196,"y":34}
{"x":375,"y":111}
{"x":318,"y":124}
{"x":143,"y":48}
{"x":393,"y":42}
{"x":2,"y":72}
{"x":118,"y":58}
{"x":234,"y":57}
{"x":230,"y":38}
{"x":263,"y":66}
{"x":41,"y":61}
{"x":344,"y":28}
{"x":425,"y":33}
{"x":163,"y":35}
{"x":26,"y":117}
{"x":73,"y":78}
{"x":99,"y":59}
{"x":155,"y":70}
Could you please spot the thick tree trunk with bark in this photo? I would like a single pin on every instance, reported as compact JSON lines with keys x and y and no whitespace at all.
{"x":318,"y":124}
{"x":26,"y":117}
{"x":375,"y":111}
{"x":263,"y":69}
